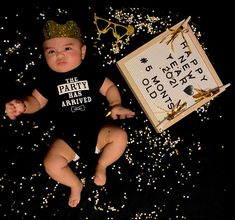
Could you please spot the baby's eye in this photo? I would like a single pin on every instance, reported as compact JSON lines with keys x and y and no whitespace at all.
{"x":51,"y":51}
{"x":67,"y":48}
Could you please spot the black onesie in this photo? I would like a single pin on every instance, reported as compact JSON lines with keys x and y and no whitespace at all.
{"x":76,"y":104}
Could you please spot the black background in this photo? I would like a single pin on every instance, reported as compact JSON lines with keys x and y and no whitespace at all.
{"x":211,"y":185}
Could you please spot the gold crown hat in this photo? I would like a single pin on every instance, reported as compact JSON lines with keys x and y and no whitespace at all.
{"x":70,"y":29}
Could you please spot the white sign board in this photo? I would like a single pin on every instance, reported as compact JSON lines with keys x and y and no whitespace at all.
{"x":171,"y":76}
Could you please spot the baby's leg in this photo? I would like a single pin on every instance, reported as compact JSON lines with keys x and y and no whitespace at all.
{"x":75,"y":194}
{"x":100,"y":175}
{"x":112,"y":142}
{"x":56,"y":165}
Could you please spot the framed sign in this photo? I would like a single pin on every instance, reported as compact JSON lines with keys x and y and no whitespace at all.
{"x":171,"y":76}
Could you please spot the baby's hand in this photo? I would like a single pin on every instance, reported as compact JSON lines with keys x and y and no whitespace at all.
{"x":14,"y":108}
{"x":121,"y":112}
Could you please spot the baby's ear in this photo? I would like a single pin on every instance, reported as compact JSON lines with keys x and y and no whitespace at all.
{"x":83,"y":51}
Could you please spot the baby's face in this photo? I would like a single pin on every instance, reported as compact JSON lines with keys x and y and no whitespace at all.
{"x":63,"y":53}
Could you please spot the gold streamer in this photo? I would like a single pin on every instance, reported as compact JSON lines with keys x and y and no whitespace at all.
{"x":174,"y":34}
{"x":176,"y":110}
{"x":202,"y":94}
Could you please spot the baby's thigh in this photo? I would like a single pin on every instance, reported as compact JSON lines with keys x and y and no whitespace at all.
{"x":110,"y":133}
{"x":59,"y":148}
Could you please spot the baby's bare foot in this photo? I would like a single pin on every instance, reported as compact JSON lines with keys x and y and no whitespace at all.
{"x":75,"y":195}
{"x":100,"y":175}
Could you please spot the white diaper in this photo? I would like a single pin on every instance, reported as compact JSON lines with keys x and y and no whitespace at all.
{"x":76,"y":158}
{"x":97,"y":150}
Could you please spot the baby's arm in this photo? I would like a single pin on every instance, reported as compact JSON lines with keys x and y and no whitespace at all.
{"x":29,"y":104}
{"x":110,"y":90}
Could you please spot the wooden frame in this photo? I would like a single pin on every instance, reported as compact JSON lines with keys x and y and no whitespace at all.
{"x":170,"y":76}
